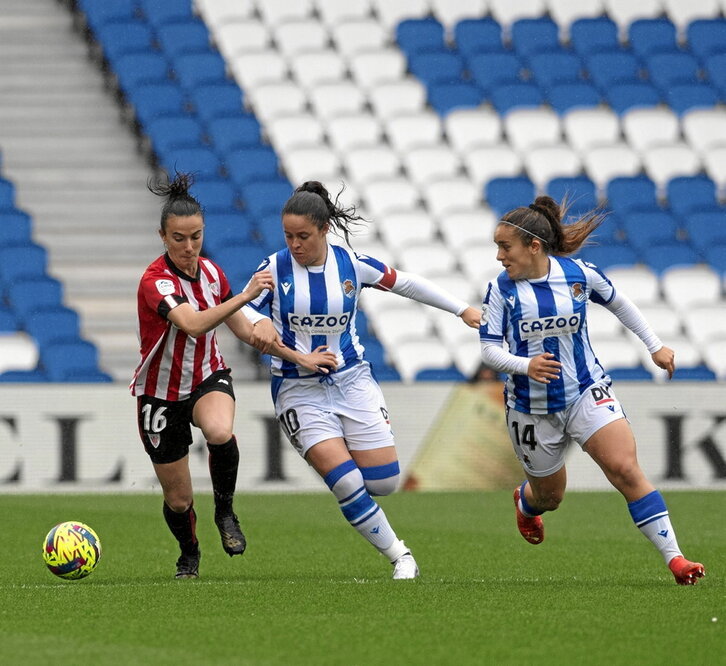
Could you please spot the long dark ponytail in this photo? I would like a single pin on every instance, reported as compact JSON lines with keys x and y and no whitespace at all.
{"x":178,"y":200}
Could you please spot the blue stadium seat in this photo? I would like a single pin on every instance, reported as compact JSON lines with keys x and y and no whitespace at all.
{"x":100,"y":13}
{"x":415,"y":35}
{"x":8,"y":320}
{"x":687,"y":194}
{"x":451,"y":374}
{"x":217,"y":99}
{"x":134,"y":69}
{"x":24,"y":376}
{"x":607,"y":256}
{"x":27,"y":296}
{"x":580,"y":191}
{"x":645,"y":228}
{"x":267,"y":231}
{"x":200,"y":161}
{"x":699,"y":373}
{"x":53,"y":324}
{"x":87,"y":376}
{"x":24,"y":261}
{"x":668,"y":68}
{"x":385,"y":373}
{"x":663,"y":256}
{"x":565,"y":97}
{"x":510,"y":96}
{"x":685,"y":97}
{"x":221,"y":229}
{"x":628,"y":193}
{"x":168,"y":132}
{"x":715,"y":66}
{"x":239,"y":262}
{"x":15,"y":227}
{"x":648,"y":36}
{"x":505,"y":194}
{"x":474,"y":36}
{"x":183,"y":36}
{"x":706,"y":228}
{"x":447,"y":97}
{"x":119,"y":37}
{"x":609,"y":67}
{"x":442,"y":66}
{"x":707,"y":37}
{"x":7,"y":194}
{"x":530,"y":35}
{"x":552,"y":67}
{"x":61,"y":359}
{"x":266,"y":196}
{"x":245,"y":165}
{"x":198,"y":67}
{"x":228,"y":133}
{"x":624,"y":97}
{"x":159,"y":12}
{"x":589,"y":35}
{"x":715,"y":256}
{"x":214,"y":194}
{"x":637,"y":374}
{"x":151,"y":100}
{"x":489,"y":70}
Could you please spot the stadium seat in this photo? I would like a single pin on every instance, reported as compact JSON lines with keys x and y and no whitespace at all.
{"x":394,"y":12}
{"x":556,"y":66}
{"x":333,"y":12}
{"x":663,"y":319}
{"x":23,"y":261}
{"x":543,"y":163}
{"x":398,"y":320}
{"x":418,"y":35}
{"x":505,"y":194}
{"x":510,"y":96}
{"x":625,"y":12}
{"x":664,"y":256}
{"x":100,"y":13}
{"x":714,"y":160}
{"x":446,"y":97}
{"x":152,"y":100}
{"x":645,"y":229}
{"x":603,"y":325}
{"x":266,"y":196}
{"x":391,"y":194}
{"x":531,"y":35}
{"x":311,"y":163}
{"x":160,"y":12}
{"x":18,"y":352}
{"x":564,"y":12}
{"x":407,"y":131}
{"x":53,"y":324}
{"x":507,"y":12}
{"x":589,"y":35}
{"x":706,"y":37}
{"x":198,"y":68}
{"x":228,"y":133}
{"x":684,"y":13}
{"x":715,"y":256}
{"x":529,"y":128}
{"x":579,"y":191}
{"x":419,"y":354}
{"x":478,"y":262}
{"x":704,"y":323}
{"x":462,"y":228}
{"x":427,"y":259}
{"x":687,"y":194}
{"x":431,"y":162}
{"x":644,"y":128}
{"x":350,"y":131}
{"x":467,"y":129}
{"x":621,"y":360}
{"x":239,"y":262}
{"x":640,"y":283}
{"x":684,"y":97}
{"x":119,"y":37}
{"x":221,"y":229}
{"x":313,"y":68}
{"x":608,"y":256}
{"x":253,"y":69}
{"x":668,"y":68}
{"x":628,"y":193}
{"x":295,"y":36}
{"x":28,"y":295}
{"x":584,"y":128}
{"x":567,"y":97}
{"x":489,"y":70}
{"x":477,"y":35}
{"x":180,"y":37}
{"x":217,"y":99}
{"x":450,"y":194}
{"x":15,"y":227}
{"x":8,"y":321}
{"x":603,"y":163}
{"x":214,"y":194}
{"x":606,"y":68}
{"x":24,"y":376}
{"x":174,"y":131}
{"x":404,"y":228}
{"x":623,"y":97}
{"x":247,"y":164}
{"x":487,"y":162}
{"x":7,"y":194}
{"x":358,"y":35}
{"x":691,"y":286}
{"x":651,"y":35}
{"x":714,"y":353}
{"x":706,"y":228}
{"x":397,"y":98}
{"x":60,"y":359}
{"x":269,"y":100}
{"x":241,"y":33}
{"x":201,"y":161}
{"x":703,"y":128}
{"x":294,"y":131}
{"x":664,"y":162}
{"x":370,"y":68}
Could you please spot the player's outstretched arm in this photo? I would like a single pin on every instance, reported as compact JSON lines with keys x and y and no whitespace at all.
{"x":665,"y":358}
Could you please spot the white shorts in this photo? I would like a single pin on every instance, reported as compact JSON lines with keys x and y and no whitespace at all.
{"x":540,"y":440}
{"x":349,"y":405}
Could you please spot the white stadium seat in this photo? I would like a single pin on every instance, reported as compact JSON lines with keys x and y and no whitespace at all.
{"x":479,"y":263}
{"x":311,"y":163}
{"x":420,"y":354}
{"x":414,"y":130}
{"x":277,"y":11}
{"x":603,"y":163}
{"x":495,"y":161}
{"x":618,"y":353}
{"x":714,"y":353}
{"x":358,"y":35}
{"x":663,"y":319}
{"x":664,"y":162}
{"x":705,"y":322}
{"x":392,"y":12}
{"x":314,"y":68}
{"x":405,"y":228}
{"x":329,"y":100}
{"x":543,"y":163}
{"x":241,"y":35}
{"x":218,"y":12}
{"x":398,"y":98}
{"x":639,"y":283}
{"x":297,"y":36}
{"x":449,"y":195}
{"x":431,"y":162}
{"x":507,"y":12}
{"x":252,"y":69}
{"x":684,"y":287}
{"x":391,"y":194}
{"x":602,"y":324}
{"x":624,"y":12}
{"x":276,"y":99}
{"x":467,"y":356}
{"x":353,"y":131}
{"x":371,"y":68}
{"x":527,"y":128}
{"x":462,"y":228}
{"x":704,"y":128}
{"x":467,"y":129}
{"x":427,"y":259}
{"x":369,"y":163}
{"x":333,"y":12}
{"x":587,"y":128}
{"x":687,"y":354}
{"x":450,"y":12}
{"x":714,"y":160}
{"x":682,"y":13}
{"x":18,"y":351}
{"x":288,"y":132}
{"x":564,"y":12}
{"x":646,"y":128}
{"x":457,"y":284}
{"x":394,"y":324}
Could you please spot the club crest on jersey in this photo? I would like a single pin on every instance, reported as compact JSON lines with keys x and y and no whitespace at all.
{"x":545,"y":327}
{"x":348,"y":288}
{"x":577,"y":292}
{"x":165,"y":287}
{"x":214,"y":288}
{"x":484,"y":315}
{"x":155,"y":440}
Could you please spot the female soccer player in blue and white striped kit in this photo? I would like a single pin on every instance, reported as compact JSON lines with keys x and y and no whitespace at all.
{"x":557,"y":390}
{"x":338,"y":421}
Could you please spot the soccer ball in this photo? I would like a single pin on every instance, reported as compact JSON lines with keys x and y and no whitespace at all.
{"x":71,"y":550}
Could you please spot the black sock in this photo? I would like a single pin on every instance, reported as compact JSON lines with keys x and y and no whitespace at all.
{"x":223,"y":464}
{"x":183,"y":527}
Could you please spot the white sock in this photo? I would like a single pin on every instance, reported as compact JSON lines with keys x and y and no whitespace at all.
{"x":650,"y":516}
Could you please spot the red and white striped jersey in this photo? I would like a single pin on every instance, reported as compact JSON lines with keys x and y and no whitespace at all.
{"x":173,"y":363}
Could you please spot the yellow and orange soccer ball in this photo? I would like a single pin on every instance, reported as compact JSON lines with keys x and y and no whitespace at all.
{"x":71,"y":550}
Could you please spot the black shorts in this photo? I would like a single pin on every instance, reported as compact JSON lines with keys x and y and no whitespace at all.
{"x":165,"y":425}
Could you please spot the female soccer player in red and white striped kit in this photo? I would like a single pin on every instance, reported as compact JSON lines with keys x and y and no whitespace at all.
{"x":182,"y":379}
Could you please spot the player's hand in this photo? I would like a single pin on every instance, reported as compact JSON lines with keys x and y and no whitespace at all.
{"x":544,"y":368}
{"x":665,"y":358}
{"x":319,"y":360}
{"x":260,"y":281}
{"x":471,"y":317}
{"x":265,"y":337}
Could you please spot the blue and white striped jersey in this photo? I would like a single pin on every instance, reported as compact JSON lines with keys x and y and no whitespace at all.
{"x":547,"y":315}
{"x":316,"y":305}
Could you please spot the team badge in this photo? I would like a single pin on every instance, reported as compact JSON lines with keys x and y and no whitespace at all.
{"x":484,"y":315}
{"x":165,"y":287}
{"x":214,"y":288}
{"x":348,"y":288}
{"x":577,"y":292}
{"x":155,"y":440}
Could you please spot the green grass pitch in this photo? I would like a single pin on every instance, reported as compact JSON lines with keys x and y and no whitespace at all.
{"x":309,"y":590}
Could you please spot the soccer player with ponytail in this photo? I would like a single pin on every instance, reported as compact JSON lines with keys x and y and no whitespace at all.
{"x":557,"y":390}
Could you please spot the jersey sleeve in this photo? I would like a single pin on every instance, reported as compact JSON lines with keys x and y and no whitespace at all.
{"x":602,"y":290}
{"x":493,"y":324}
{"x":161,"y":292}
{"x":260,"y":304}
{"x":374,"y":273}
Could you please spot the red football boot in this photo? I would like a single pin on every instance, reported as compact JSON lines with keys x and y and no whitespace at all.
{"x":532,"y":529}
{"x":685,"y":572}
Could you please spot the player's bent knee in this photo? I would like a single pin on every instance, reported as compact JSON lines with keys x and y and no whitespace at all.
{"x":381,"y":479}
